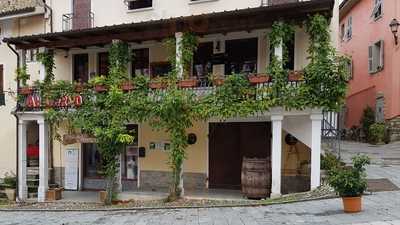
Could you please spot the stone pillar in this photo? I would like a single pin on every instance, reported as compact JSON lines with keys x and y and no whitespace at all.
{"x":179,"y":66}
{"x":43,"y":160}
{"x":22,"y":186}
{"x":316,"y":119}
{"x":276,"y":156}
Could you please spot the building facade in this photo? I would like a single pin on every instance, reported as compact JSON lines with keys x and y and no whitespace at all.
{"x":80,"y":33}
{"x":366,"y":37}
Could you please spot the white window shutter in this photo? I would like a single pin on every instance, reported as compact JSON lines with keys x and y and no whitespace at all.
{"x":370,"y":59}
{"x":381,"y":54}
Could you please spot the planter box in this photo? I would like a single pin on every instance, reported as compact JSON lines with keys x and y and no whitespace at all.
{"x":157,"y":85}
{"x":100,"y":88}
{"x":187,"y":83}
{"x":54,"y":194}
{"x":102,"y":196}
{"x":25,"y":90}
{"x":11,"y":194}
{"x":127,"y":86}
{"x":258,"y":79}
{"x":295,"y":76}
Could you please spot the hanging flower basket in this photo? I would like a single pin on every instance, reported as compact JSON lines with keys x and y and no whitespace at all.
{"x":27,"y":90}
{"x":99,"y":88}
{"x":295,"y":75}
{"x":258,"y":78}
{"x":127,"y":86}
{"x":188,"y":83}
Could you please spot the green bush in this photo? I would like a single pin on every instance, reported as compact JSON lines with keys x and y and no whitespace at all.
{"x":377,"y":133}
{"x":367,"y":119}
{"x":350,"y":181}
{"x":329,"y":161}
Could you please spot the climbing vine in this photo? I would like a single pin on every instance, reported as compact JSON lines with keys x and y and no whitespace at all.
{"x":47,"y":59}
{"x":104,"y":114}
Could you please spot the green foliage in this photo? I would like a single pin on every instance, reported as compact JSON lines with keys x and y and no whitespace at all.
{"x":367,"y":119}
{"x":350,"y":181}
{"x":47,"y":59}
{"x":329,"y":161}
{"x":10,"y":180}
{"x":98,"y":80}
{"x":22,"y":75}
{"x":376,"y":133}
{"x":119,"y":57}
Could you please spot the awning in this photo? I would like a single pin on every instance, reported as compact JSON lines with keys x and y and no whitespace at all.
{"x":217,"y":22}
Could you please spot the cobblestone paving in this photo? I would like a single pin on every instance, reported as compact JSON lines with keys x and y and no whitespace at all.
{"x":379,"y":208}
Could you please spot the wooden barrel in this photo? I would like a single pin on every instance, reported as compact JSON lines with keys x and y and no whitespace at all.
{"x":256,"y":177}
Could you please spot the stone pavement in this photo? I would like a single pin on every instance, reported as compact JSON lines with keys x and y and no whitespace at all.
{"x":380,"y":154}
{"x":379,"y":207}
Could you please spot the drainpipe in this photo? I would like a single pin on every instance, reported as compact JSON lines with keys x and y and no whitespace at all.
{"x":47,"y":7}
{"x":16,"y":117}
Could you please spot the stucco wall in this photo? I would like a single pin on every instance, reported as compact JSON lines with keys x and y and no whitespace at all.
{"x":367,"y":31}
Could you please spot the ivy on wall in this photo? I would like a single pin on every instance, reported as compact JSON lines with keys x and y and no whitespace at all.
{"x":104,"y":114}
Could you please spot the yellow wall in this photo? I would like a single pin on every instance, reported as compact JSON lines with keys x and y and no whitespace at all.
{"x":293,"y":156}
{"x":157,"y":160}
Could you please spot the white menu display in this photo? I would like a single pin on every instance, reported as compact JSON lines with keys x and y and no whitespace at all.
{"x":71,"y":159}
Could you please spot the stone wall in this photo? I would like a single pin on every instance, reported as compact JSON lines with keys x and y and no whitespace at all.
{"x":162,"y":179}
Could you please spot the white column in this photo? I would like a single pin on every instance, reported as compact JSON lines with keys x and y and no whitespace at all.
{"x":315,"y":149}
{"x":22,"y":186}
{"x":179,"y":69}
{"x":42,"y":69}
{"x":278,"y":51}
{"x":276,"y":155}
{"x":43,"y":160}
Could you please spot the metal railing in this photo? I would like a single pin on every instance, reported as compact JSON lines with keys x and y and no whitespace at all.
{"x":72,"y":22}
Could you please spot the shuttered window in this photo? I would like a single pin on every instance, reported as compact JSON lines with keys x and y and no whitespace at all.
{"x":349,"y":32}
{"x":376,"y":57}
{"x":377,"y":10}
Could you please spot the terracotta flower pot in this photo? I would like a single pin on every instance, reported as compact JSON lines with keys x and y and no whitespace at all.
{"x":25,"y":90}
{"x":188,"y":83}
{"x":352,"y":204}
{"x":100,"y":88}
{"x":218,"y":81}
{"x":127,"y":86}
{"x":258,"y":78}
{"x":157,"y":85}
{"x":295,"y":76}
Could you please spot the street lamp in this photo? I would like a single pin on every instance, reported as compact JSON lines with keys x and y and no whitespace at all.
{"x":394,"y":26}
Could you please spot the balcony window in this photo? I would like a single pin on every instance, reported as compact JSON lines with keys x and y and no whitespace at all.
{"x":202,"y":60}
{"x":139,"y":4}
{"x":103,"y":63}
{"x":241,"y":56}
{"x":140,"y":65}
{"x":81,"y":68}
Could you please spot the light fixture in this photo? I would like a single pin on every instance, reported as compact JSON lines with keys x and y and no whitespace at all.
{"x":394,"y":26}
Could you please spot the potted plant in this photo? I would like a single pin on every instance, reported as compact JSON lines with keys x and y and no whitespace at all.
{"x":216,"y":79}
{"x":23,"y":76}
{"x":258,"y":78}
{"x":127,"y":85}
{"x":10,"y":184}
{"x":350,"y":183}
{"x":295,"y":75}
{"x":99,"y":83}
{"x":377,"y":133}
{"x":328,"y":162}
{"x":158,"y":83}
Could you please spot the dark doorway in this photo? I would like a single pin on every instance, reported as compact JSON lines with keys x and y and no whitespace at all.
{"x":229,"y":143}
{"x":241,"y":56}
{"x":81,"y":68}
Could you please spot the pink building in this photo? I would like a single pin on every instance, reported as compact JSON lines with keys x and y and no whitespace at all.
{"x":366,"y":37}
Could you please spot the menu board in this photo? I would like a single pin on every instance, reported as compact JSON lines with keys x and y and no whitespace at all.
{"x":71,"y":159}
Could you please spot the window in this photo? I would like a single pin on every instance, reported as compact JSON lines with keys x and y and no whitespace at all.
{"x":31,"y":55}
{"x":81,"y":68}
{"x":103,"y":63}
{"x":349,"y":68}
{"x":377,"y":11}
{"x":140,"y":64}
{"x":375,"y":57}
{"x":202,"y":60}
{"x":380,"y":106}
{"x":349,"y":32}
{"x":241,"y":56}
{"x":342,"y":32}
{"x":139,"y":4}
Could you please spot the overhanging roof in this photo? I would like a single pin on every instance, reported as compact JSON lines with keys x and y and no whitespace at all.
{"x":346,"y":6}
{"x":217,"y":22}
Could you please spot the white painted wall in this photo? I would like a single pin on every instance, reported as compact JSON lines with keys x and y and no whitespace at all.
{"x":299,"y":127}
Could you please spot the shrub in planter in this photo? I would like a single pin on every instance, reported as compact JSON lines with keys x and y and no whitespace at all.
{"x":350,"y":182}
{"x":376,"y":133}
{"x":99,"y":83}
{"x":10,"y":184}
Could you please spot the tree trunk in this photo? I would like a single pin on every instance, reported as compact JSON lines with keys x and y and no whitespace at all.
{"x":110,"y":184}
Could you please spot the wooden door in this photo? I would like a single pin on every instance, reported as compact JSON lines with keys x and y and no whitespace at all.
{"x":81,"y":14}
{"x":81,"y":68}
{"x":228,"y":144}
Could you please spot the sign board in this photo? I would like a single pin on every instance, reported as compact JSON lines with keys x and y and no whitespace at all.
{"x":71,"y":159}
